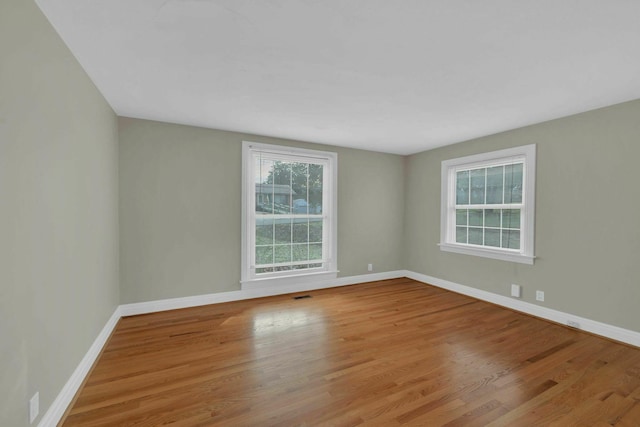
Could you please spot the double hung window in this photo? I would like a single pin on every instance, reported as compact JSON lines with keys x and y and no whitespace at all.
{"x":289,"y":210}
{"x":488,"y":204}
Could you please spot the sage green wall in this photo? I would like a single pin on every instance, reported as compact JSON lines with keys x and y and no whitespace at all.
{"x":587,"y":213}
{"x":180,"y":191}
{"x":58,"y":212}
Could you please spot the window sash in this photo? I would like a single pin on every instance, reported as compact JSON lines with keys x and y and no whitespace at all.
{"x":260,"y":156}
{"x":324,"y":219}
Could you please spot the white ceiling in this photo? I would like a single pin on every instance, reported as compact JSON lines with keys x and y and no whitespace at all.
{"x":394,"y":76}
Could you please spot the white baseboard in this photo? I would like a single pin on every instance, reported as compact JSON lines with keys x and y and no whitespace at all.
{"x":55,"y":412}
{"x":194,"y":301}
{"x":595,"y":327}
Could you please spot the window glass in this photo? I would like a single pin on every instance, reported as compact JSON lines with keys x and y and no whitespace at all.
{"x":475,"y":217}
{"x":461,"y":216}
{"x":495,"y":178}
{"x":492,"y":217}
{"x":289,"y":197}
{"x":477,"y":186}
{"x":488,"y":187}
{"x":461,"y":234}
{"x":462,"y":188}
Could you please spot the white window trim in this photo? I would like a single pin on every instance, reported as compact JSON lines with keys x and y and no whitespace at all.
{"x":526,"y":153}
{"x":285,"y":278}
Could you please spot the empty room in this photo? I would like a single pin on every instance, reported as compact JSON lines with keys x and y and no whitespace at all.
{"x":307,"y":213}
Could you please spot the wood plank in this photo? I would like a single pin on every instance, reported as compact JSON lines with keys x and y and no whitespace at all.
{"x":394,"y":352}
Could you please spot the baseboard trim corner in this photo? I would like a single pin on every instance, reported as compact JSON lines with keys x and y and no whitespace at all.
{"x":55,"y":412}
{"x":598,"y":328}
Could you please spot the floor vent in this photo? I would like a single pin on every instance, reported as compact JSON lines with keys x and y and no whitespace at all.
{"x":302,"y":297}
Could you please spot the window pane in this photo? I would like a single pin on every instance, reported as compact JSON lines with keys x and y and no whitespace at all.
{"x":300,"y":207}
{"x":315,"y":188}
{"x":511,"y":218}
{"x":282,"y":191}
{"x":477,"y":186}
{"x":492,"y":237}
{"x":265,"y":169}
{"x":300,"y":252}
{"x":300,"y":187}
{"x":462,"y":188}
{"x":264,"y":255}
{"x":475,"y":217}
{"x":264,"y":231}
{"x":495,"y":177}
{"x":492,"y":217}
{"x":513,"y":183}
{"x":283,"y":230}
{"x":315,"y":251}
{"x":264,"y":187}
{"x":262,"y":190}
{"x":475,"y":236}
{"x":300,"y":231}
{"x":315,"y":230}
{"x":461,"y":216}
{"x":264,"y":198}
{"x":517,"y":183}
{"x":461,"y":234}
{"x":511,"y":239}
{"x":280,"y":173}
{"x":282,"y":253}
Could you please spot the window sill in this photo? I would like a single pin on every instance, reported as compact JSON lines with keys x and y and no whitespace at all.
{"x":488,"y":253}
{"x":297,"y":279}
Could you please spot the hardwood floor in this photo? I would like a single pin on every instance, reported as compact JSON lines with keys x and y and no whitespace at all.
{"x":386,"y":353}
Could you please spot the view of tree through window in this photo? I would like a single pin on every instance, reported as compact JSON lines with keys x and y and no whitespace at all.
{"x":288,"y":214}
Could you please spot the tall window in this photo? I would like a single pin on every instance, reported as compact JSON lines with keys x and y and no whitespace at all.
{"x":488,"y":204}
{"x":289,"y":212}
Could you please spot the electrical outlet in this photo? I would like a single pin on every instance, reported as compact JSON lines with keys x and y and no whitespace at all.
{"x":539,"y":295}
{"x":516,"y":291}
{"x":34,"y":407}
{"x":369,"y":267}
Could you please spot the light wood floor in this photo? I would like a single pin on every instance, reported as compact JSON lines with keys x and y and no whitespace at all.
{"x":387,"y":353}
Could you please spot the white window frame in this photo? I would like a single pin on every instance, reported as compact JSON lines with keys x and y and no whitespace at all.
{"x":329,"y":271}
{"x":526,"y":154}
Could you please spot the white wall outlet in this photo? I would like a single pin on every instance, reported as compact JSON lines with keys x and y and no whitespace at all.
{"x":539,"y":295}
{"x":369,"y":267}
{"x":34,"y":407}
{"x":516,"y":291}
